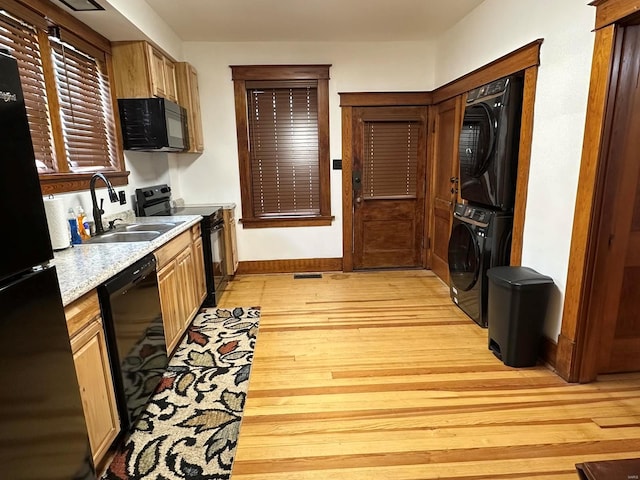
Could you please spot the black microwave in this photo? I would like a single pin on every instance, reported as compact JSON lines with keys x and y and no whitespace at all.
{"x":153,"y":125}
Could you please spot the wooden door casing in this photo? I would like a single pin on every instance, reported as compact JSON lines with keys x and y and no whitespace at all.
{"x":615,"y":295}
{"x":444,"y":171}
{"x":388,"y":220}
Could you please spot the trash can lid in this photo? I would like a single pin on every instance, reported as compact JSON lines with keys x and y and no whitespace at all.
{"x":518,"y":276}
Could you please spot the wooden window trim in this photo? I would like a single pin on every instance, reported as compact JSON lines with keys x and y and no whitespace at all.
{"x":243,"y":74}
{"x":41,"y":14}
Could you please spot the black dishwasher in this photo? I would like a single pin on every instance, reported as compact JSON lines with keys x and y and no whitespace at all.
{"x":130,"y":303}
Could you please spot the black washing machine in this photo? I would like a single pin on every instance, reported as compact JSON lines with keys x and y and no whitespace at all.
{"x":488,"y":146}
{"x":480,"y":239}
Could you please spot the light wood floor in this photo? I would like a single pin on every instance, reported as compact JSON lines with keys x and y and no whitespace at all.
{"x":378,"y":376}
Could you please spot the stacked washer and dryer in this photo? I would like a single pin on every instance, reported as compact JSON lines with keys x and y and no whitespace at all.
{"x":482,"y":225}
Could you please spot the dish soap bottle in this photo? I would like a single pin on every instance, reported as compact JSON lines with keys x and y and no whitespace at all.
{"x":81,"y":219}
{"x":73,"y":226}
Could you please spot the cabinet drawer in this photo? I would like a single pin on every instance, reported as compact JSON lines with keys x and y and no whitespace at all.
{"x":80,"y":312}
{"x":169,"y":251}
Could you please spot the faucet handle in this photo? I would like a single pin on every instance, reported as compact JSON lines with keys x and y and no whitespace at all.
{"x":112,"y":223}
{"x":101,"y":205}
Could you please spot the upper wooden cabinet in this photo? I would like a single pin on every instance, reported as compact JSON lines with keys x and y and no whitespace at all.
{"x":189,"y":98}
{"x":142,"y":71}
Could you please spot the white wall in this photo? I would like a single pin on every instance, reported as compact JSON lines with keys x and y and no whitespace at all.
{"x":214,"y":175}
{"x":495,"y":28}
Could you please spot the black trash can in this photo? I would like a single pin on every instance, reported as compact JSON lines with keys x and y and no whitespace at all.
{"x":518,"y":299}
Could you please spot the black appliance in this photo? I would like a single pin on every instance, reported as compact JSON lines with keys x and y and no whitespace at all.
{"x":153,"y":125}
{"x":488,"y":145}
{"x":43,"y":433}
{"x":130,"y":304}
{"x":156,"y":201}
{"x":480,"y":239}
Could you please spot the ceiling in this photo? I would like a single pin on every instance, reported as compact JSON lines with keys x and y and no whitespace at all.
{"x":310,"y":20}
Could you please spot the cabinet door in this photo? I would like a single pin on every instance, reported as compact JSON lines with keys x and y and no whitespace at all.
{"x":96,"y":387}
{"x":157,"y":73}
{"x":189,"y":98}
{"x":168,"y":286}
{"x":198,"y":263}
{"x":230,"y":242}
{"x":169,"y":72}
{"x":185,"y":267}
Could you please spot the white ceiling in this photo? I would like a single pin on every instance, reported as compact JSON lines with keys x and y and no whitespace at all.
{"x":311,"y":20}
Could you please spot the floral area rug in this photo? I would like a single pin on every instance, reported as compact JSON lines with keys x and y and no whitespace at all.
{"x":190,"y":427}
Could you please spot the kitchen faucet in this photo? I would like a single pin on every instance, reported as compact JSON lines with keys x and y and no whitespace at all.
{"x":98,"y":211}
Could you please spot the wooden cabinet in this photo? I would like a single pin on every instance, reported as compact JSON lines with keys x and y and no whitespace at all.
{"x":181,"y":283}
{"x":94,"y":373}
{"x":189,"y":98}
{"x":230,"y":241}
{"x":198,"y":259}
{"x":142,"y":71}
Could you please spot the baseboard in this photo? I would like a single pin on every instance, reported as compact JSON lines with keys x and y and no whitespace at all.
{"x":549,"y":351}
{"x":290,"y":266}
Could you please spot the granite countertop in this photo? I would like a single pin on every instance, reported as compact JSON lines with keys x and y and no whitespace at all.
{"x":82,"y":268}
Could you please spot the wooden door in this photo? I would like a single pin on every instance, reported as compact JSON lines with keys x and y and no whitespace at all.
{"x":444,"y":185}
{"x":389,"y":177}
{"x":616,"y":283}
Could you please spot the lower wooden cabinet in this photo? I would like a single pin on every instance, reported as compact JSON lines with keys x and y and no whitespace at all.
{"x":181,"y":283}
{"x":94,"y":373}
{"x":230,"y":241}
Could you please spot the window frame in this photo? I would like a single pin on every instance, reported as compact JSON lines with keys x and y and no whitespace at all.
{"x":241,"y":74}
{"x":42,"y":14}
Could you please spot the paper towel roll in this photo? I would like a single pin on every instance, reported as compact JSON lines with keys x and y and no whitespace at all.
{"x":57,"y":223}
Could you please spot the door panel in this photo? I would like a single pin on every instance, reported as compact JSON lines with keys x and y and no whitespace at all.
{"x":389,"y":177}
{"x":444,"y":181}
{"x":616,"y":294}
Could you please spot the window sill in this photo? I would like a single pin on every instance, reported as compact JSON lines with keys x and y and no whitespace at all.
{"x":51,"y":183}
{"x":279,"y":222}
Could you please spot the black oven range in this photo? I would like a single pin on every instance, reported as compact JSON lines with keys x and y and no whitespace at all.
{"x":156,"y":201}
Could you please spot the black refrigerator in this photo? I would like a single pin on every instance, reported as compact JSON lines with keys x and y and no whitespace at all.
{"x":43,"y":434}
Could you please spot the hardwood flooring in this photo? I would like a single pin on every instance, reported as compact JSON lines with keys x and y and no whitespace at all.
{"x":378,"y":375}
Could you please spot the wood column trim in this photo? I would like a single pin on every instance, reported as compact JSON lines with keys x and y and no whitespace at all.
{"x":579,"y":276}
{"x":385,"y":99}
{"x":610,"y":11}
{"x":524,"y":161}
{"x":516,"y":61}
{"x":347,"y":191}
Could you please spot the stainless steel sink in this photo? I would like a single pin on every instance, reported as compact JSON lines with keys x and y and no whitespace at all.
{"x":134,"y":232}
{"x":125,"y":236}
{"x":146,"y":227}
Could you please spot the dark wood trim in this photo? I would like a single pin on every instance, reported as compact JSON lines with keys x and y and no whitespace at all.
{"x":610,"y":11}
{"x":581,"y":259}
{"x":71,"y":182}
{"x":385,"y":99}
{"x":516,"y":61}
{"x":57,"y":16}
{"x":241,"y":75}
{"x":242,"y":135}
{"x":289,"y":266}
{"x":318,"y":221}
{"x":324,"y":167}
{"x":279,"y":72}
{"x":524,"y":161}
{"x":347,"y":190}
{"x":548,"y":351}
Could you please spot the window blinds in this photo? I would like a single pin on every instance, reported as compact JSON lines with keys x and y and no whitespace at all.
{"x":283,"y":144}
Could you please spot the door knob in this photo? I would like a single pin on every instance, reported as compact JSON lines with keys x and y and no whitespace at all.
{"x":358,"y":199}
{"x":453,"y":179}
